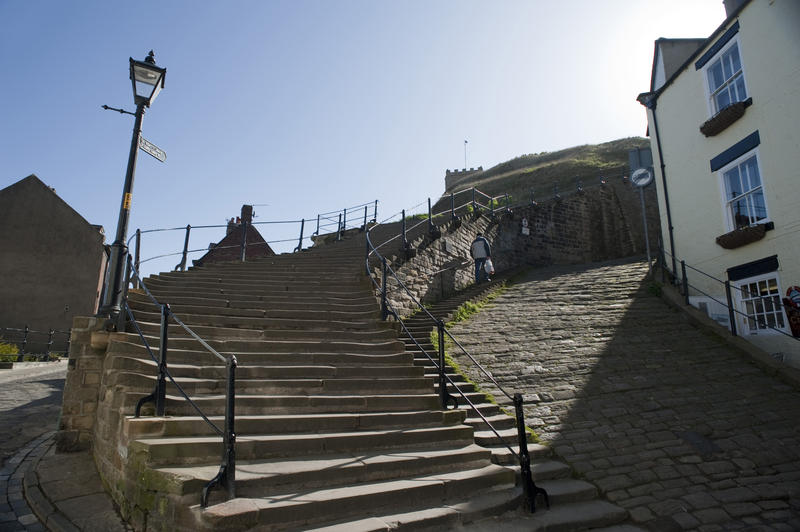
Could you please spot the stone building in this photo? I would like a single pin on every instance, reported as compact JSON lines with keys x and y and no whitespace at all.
{"x":230,"y":247}
{"x":723,"y":126}
{"x":52,"y":261}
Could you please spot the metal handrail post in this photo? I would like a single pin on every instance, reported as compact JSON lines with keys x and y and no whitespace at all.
{"x":384,"y":305}
{"x":226,"y":475}
{"x":339,"y":229}
{"x":182,"y":265}
{"x":365,"y":218}
{"x":731,"y":313}
{"x":375,"y":212}
{"x":452,"y":206}
{"x":138,"y":283}
{"x":508,"y":203}
{"x":230,"y":432}
{"x":161,"y":386}
{"x":121,"y":317}
{"x":20,"y":356}
{"x":300,"y":242}
{"x":442,"y":375}
{"x":403,"y":225}
{"x":474,"y":208}
{"x":344,"y":222}
{"x":528,"y":486}
{"x":317,"y":231}
{"x":244,"y":240}
{"x":49,"y":344}
{"x":685,"y":280}
{"x":430,"y":218}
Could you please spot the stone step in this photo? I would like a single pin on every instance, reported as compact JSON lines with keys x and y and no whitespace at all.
{"x":503,"y":456}
{"x":287,"y":302}
{"x":218,"y":371}
{"x":352,"y":319}
{"x":179,"y":355}
{"x":152,"y":314}
{"x":302,"y":509}
{"x":210,"y":332}
{"x":303,"y":293}
{"x":157,"y":427}
{"x":298,"y":347}
{"x":206,"y":449}
{"x":322,"y":386}
{"x":290,"y":284}
{"x":584,"y":515}
{"x":214,"y":405}
{"x":278,"y":476}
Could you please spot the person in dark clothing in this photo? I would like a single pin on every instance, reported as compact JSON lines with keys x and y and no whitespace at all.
{"x":480,"y":251}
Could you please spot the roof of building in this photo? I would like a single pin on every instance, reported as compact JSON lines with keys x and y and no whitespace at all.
{"x":655,"y":93}
{"x":33,"y":185}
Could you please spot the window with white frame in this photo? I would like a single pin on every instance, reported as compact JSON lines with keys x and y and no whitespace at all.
{"x":744,"y":194}
{"x":760,"y":300}
{"x":725,"y":79}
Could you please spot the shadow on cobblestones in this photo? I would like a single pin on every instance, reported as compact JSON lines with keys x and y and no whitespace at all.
{"x":667,"y":420}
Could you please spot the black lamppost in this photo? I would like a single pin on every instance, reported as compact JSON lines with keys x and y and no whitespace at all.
{"x":147,"y":80}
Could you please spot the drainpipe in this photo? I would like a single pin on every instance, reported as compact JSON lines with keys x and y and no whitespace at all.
{"x":648,"y":99}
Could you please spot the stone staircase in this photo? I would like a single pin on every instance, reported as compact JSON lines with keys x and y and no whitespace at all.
{"x":337,"y":426}
{"x":574,"y":502}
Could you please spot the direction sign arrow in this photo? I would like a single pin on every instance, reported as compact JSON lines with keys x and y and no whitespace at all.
{"x":148,"y":147}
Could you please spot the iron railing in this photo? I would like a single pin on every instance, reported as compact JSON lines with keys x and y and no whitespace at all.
{"x":226,"y":476}
{"x":729,"y":304}
{"x":529,"y":486}
{"x":26,"y":337}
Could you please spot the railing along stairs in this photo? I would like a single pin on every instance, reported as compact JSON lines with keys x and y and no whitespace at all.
{"x":226,"y":477}
{"x":447,"y":400}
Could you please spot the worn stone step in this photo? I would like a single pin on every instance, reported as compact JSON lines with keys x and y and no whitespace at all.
{"x":302,"y":509}
{"x":218,"y":370}
{"x":152,"y":427}
{"x":297,"y":404}
{"x":210,"y":317}
{"x":259,"y":302}
{"x":298,"y":347}
{"x":454,"y":516}
{"x":316,"y":386}
{"x":206,"y":449}
{"x":584,"y":515}
{"x":272,"y":477}
{"x":285,"y":357}
{"x":503,"y":456}
{"x":207,"y":332}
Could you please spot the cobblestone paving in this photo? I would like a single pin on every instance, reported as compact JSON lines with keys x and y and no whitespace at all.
{"x":30,"y":403}
{"x":665,"y":419}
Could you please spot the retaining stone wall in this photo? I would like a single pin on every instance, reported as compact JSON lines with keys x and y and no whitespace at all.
{"x":598,"y":224}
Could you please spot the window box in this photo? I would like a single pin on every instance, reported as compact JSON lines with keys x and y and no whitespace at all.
{"x":717,"y":123}
{"x":744,"y":235}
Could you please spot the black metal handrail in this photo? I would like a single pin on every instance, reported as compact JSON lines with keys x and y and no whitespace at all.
{"x":26,"y":332}
{"x":227,"y":472}
{"x":529,"y":486}
{"x":732,"y":310}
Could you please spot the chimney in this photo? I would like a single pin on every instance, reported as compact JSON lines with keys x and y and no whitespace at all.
{"x":247,"y":213}
{"x":731,"y":6}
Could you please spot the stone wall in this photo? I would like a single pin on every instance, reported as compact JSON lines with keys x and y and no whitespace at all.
{"x":600,"y":223}
{"x":454,"y":177}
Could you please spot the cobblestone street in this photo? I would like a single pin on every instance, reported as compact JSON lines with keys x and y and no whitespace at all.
{"x":667,"y":420}
{"x":30,"y":403}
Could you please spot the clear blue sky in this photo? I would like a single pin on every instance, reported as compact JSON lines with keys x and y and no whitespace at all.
{"x":311,"y":106}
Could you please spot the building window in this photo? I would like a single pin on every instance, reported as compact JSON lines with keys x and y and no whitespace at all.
{"x":744,"y":194}
{"x":726,"y":80}
{"x":760,"y":300}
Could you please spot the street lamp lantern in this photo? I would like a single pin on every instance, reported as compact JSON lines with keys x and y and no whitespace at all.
{"x":147,"y":79}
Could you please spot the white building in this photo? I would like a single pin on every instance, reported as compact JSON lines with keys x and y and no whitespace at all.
{"x":724,"y":123}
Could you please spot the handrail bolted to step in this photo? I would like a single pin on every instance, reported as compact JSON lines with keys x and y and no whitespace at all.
{"x":227,"y":469}
{"x":529,"y":487}
{"x":158,"y":396}
{"x":444,"y":394}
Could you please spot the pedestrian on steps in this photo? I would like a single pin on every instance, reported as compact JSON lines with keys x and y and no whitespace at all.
{"x":481,"y":252}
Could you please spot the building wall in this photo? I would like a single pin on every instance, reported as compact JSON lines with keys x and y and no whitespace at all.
{"x":769,"y":46}
{"x":51,"y":263}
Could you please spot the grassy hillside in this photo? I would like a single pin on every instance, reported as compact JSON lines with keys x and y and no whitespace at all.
{"x":540,"y":171}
